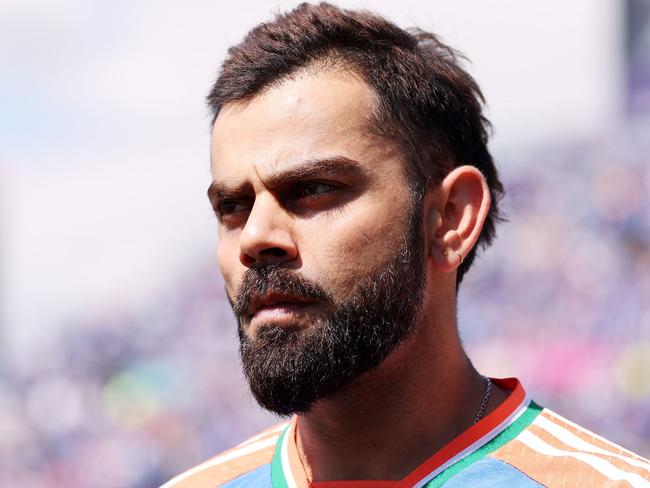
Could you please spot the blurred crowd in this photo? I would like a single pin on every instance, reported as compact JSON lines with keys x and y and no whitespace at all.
{"x":561,"y":301}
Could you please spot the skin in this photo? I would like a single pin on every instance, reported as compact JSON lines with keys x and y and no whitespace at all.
{"x":298,"y":181}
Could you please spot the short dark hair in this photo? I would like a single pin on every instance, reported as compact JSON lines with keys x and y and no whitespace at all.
{"x":427,"y":103}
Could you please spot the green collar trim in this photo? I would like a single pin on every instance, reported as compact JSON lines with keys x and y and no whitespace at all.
{"x":278,"y":479}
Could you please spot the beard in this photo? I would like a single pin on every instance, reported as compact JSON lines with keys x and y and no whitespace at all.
{"x":289,"y":369}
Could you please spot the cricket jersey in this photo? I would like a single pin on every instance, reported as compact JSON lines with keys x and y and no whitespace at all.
{"x":519,"y":444}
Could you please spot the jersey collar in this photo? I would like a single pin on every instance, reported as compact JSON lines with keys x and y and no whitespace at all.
{"x":287,"y":470}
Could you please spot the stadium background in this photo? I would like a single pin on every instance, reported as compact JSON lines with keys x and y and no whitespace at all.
{"x":118,"y":363}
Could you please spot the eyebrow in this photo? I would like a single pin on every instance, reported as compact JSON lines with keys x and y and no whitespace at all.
{"x":311,"y":168}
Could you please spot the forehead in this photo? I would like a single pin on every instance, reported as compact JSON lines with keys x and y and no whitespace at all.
{"x":309,"y":116}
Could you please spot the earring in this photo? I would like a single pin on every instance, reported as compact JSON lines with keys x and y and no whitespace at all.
{"x":446,"y":253}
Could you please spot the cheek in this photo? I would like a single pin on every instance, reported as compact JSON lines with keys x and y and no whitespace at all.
{"x":352,"y":250}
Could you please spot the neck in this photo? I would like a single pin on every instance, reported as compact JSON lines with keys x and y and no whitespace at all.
{"x":392,"y":419}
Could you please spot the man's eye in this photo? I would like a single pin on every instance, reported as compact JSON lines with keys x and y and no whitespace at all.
{"x":228,"y":208}
{"x":315,"y":189}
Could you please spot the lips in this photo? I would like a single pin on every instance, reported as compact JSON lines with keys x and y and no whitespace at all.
{"x":276,"y":302}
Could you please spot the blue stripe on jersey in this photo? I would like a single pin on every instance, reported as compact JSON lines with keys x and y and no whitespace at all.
{"x":258,"y":478}
{"x":491,"y":473}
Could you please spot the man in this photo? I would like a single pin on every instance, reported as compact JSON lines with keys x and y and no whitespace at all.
{"x":352,"y":185}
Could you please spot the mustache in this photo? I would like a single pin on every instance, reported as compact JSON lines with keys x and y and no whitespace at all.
{"x":273,"y":278}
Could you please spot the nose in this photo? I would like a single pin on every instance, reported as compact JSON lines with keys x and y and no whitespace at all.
{"x":266,"y":238}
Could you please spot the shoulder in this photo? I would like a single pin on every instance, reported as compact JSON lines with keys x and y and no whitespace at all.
{"x":251,"y":458}
{"x":554,"y":451}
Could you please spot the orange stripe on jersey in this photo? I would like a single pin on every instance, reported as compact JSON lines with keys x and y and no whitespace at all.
{"x":590,"y":437}
{"x":585,"y":441}
{"x":552,"y":465}
{"x":620,"y":462}
{"x":549,"y":471}
{"x":227,"y":466}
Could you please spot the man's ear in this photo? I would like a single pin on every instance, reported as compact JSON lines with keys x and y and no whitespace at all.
{"x":455,"y":212}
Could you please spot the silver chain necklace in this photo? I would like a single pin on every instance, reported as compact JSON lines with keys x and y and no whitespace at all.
{"x":486,"y":399}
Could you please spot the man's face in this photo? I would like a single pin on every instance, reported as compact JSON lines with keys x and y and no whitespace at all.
{"x":319,"y":242}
